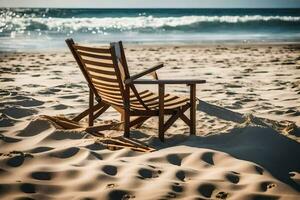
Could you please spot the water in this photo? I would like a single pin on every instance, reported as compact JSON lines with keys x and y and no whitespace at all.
{"x":37,"y":28}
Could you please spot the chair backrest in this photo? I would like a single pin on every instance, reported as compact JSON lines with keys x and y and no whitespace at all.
{"x":120,"y":54}
{"x":105,"y":70}
{"x":101,"y":70}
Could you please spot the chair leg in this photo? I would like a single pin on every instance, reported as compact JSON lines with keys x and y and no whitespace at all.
{"x":173,"y":118}
{"x":161,"y":91}
{"x":141,"y":123}
{"x":137,"y":122}
{"x":93,"y":129}
{"x":122,"y":119}
{"x":87,"y":111}
{"x":101,"y":111}
{"x":127,"y":125}
{"x":127,"y":113}
{"x":193,"y":109}
{"x":91,"y":104}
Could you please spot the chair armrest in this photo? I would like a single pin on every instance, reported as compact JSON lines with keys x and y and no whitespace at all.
{"x":148,"y":81}
{"x":143,"y":73}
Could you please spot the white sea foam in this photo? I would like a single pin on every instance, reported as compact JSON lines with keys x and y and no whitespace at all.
{"x":127,"y":23}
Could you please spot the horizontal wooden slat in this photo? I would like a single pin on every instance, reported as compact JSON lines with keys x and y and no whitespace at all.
{"x":97,"y":63}
{"x":112,"y":97}
{"x":117,"y":97}
{"x":100,"y":71}
{"x":176,"y":102}
{"x":92,"y":49}
{"x":112,"y":77}
{"x":112,"y":92}
{"x":170,"y":101}
{"x":106,"y":87}
{"x":119,"y":102}
{"x":105,"y":83}
{"x":104,"y":79}
{"x":153,"y":97}
{"x":166,"y":99}
{"x":142,"y":96}
{"x":145,"y":92}
{"x":92,"y":55}
{"x":112,"y":101}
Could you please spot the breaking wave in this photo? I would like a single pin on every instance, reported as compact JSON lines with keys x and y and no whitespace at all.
{"x":142,"y":23}
{"x":47,"y":28}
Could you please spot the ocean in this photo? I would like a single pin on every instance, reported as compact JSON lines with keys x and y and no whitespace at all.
{"x":30,"y":29}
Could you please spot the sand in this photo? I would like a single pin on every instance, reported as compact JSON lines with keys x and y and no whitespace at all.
{"x":246,"y":147}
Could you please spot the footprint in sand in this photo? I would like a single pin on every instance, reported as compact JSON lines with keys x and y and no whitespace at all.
{"x":69,"y":96}
{"x":265,"y":186}
{"x":28,"y":188}
{"x":110,"y":170}
{"x":95,"y":146}
{"x":66,"y":153}
{"x":232,"y":177}
{"x":8,"y":139}
{"x":145,"y":173}
{"x":6,"y":121}
{"x":17,"y":160}
{"x":40,"y":175}
{"x":174,"y":159}
{"x":60,"y":107}
{"x":18,"y":112}
{"x":263,"y":197}
{"x":208,"y":157}
{"x":28,"y":102}
{"x":95,"y":155}
{"x":180,"y":175}
{"x":259,"y":170}
{"x":41,"y":149}
{"x":176,"y":187}
{"x":206,"y":189}
{"x":222,"y":195}
{"x":295,"y":176}
{"x":120,"y":194}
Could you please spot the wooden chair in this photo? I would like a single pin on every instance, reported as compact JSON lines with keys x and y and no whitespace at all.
{"x":110,"y":83}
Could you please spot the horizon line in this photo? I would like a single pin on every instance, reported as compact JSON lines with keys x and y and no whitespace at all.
{"x":157,"y":7}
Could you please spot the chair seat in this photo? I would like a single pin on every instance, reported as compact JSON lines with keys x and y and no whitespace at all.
{"x":151,"y":101}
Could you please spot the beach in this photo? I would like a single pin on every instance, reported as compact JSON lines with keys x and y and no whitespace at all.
{"x":247,"y":135}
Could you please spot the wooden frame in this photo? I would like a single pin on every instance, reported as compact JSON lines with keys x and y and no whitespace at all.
{"x":110,"y":83}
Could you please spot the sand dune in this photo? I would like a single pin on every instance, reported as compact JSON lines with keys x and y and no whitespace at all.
{"x":246,"y":147}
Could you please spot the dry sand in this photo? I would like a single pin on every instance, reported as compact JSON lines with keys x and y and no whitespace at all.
{"x":246,"y":147}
